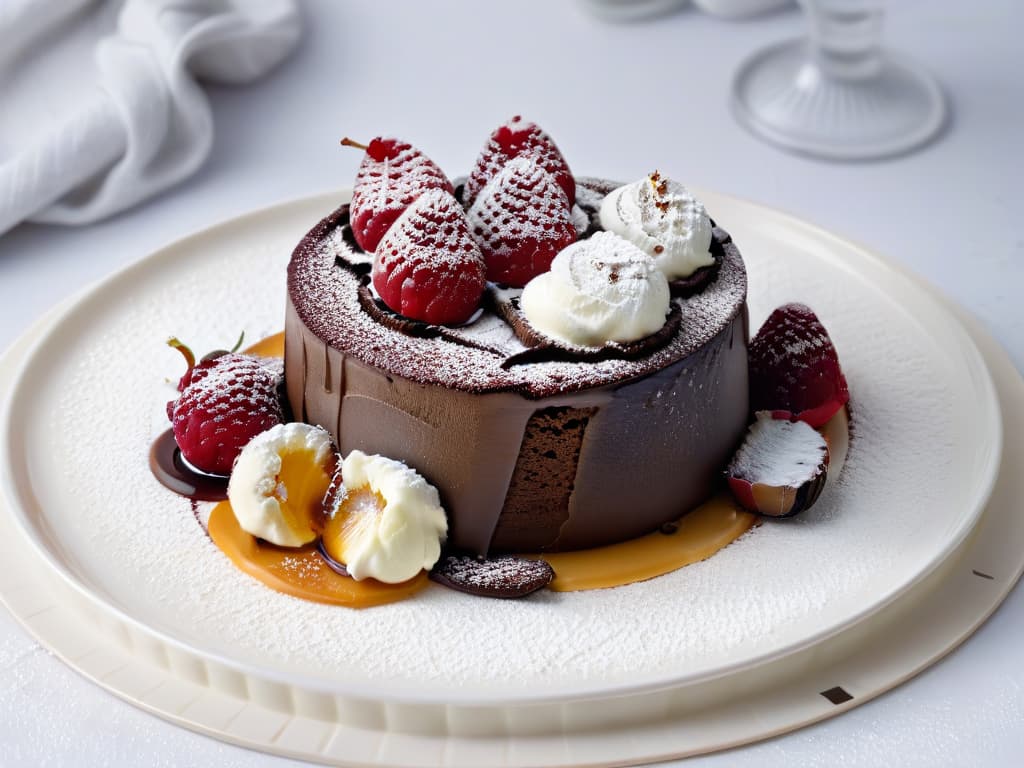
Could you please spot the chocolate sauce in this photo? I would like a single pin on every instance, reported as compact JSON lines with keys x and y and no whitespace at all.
{"x":168,"y":467}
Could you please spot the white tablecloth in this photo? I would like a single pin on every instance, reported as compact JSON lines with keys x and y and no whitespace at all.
{"x":620,"y":100}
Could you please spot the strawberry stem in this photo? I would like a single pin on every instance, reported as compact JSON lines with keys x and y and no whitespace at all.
{"x":347,"y":142}
{"x":238,"y":344}
{"x":190,"y":358}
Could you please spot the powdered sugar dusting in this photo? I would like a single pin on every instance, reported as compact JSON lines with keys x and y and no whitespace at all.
{"x":387,"y":186}
{"x":326,"y":298}
{"x":779,"y":453}
{"x":513,"y":139}
{"x":138,"y":543}
{"x":521,"y":204}
{"x":226,"y":403}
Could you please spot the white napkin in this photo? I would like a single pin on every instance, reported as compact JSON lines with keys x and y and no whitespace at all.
{"x":148,"y":125}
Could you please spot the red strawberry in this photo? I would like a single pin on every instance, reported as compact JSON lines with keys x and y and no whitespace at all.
{"x":228,"y":401}
{"x":794,"y":368}
{"x":427,"y":266}
{"x":511,"y":140}
{"x":521,"y":221}
{"x":392,"y":175}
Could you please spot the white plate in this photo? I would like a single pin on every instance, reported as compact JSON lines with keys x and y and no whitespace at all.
{"x":90,"y":397}
{"x":918,"y":628}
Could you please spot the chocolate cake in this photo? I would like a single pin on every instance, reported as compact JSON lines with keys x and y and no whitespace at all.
{"x":533,"y":446}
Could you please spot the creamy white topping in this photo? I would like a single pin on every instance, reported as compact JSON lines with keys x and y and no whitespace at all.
{"x":393,"y":543}
{"x":598,"y":290}
{"x":664,"y":220}
{"x":256,"y":491}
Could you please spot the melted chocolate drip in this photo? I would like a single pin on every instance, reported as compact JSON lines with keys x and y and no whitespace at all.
{"x":170,"y":470}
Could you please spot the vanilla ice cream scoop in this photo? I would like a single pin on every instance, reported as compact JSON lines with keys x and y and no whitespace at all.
{"x":599,"y":290}
{"x":664,"y":220}
{"x":278,"y":483}
{"x":387,"y":522}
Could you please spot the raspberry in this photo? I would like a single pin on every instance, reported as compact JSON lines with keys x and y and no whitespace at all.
{"x":513,"y":139}
{"x":228,"y":401}
{"x":198,"y":370}
{"x":427,"y":266}
{"x":794,"y":368}
{"x":521,"y":221}
{"x":392,"y":175}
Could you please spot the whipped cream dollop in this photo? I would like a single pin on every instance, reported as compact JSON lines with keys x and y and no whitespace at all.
{"x":394,"y":524}
{"x":663,"y":219}
{"x":599,"y":290}
{"x":282,"y":506}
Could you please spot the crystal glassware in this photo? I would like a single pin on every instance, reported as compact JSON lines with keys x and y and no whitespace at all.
{"x":838,"y":94}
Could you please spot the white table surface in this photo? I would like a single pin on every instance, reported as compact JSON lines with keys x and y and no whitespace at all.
{"x":620,"y":100}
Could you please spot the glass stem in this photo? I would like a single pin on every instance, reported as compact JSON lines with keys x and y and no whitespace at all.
{"x":845,"y":37}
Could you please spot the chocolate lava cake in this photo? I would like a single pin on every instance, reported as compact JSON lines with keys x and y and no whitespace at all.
{"x":533,"y":446}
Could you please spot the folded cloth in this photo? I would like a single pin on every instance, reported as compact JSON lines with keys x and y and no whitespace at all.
{"x":149,"y":125}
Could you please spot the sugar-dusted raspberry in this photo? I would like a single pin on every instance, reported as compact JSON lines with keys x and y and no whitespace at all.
{"x":392,"y":175}
{"x":794,"y":368}
{"x":231,"y":400}
{"x":514,"y":139}
{"x":427,"y":267}
{"x":521,"y":220}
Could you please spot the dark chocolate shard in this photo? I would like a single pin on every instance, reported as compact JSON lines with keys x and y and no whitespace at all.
{"x":504,"y":577}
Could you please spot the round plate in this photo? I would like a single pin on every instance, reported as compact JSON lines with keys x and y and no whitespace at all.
{"x":824,"y":680}
{"x":89,"y":399}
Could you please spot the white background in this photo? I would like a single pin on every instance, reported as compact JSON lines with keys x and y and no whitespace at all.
{"x":620,"y":100}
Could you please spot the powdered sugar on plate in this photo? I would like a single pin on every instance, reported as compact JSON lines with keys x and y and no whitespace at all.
{"x":105,"y":375}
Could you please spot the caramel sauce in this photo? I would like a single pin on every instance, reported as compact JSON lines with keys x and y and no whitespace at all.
{"x":694,"y":537}
{"x":271,"y":346}
{"x":304,"y":573}
{"x":301,"y":572}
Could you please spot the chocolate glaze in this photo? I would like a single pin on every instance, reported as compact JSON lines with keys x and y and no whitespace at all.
{"x":660,"y":424}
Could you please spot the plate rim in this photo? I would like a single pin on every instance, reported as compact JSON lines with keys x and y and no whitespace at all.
{"x":412,"y":693}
